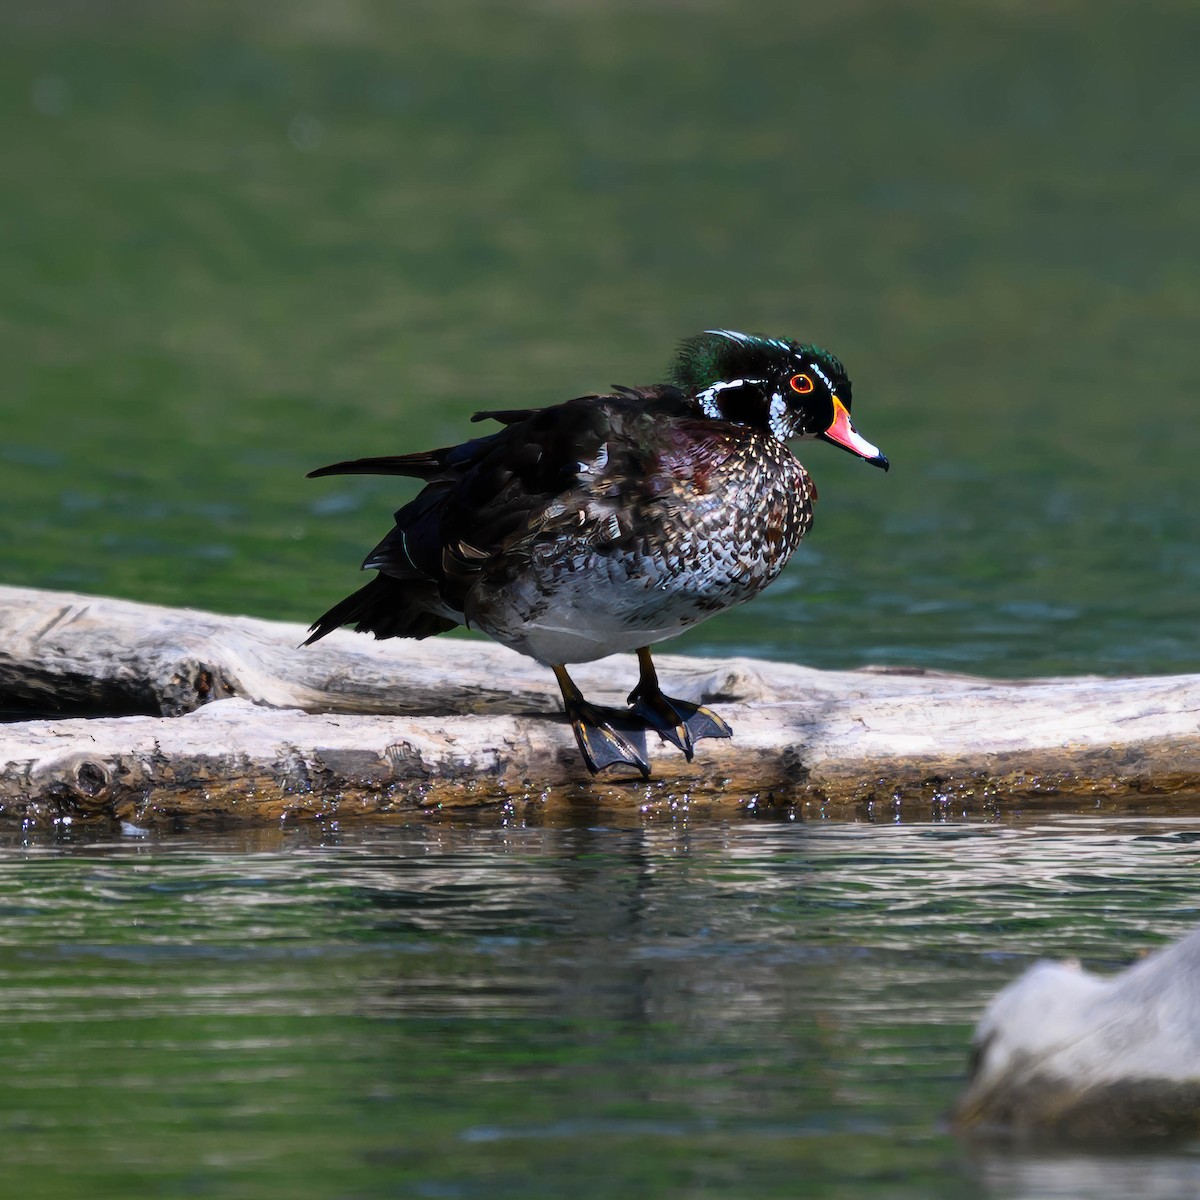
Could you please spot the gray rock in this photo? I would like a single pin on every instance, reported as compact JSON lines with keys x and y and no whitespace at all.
{"x":1065,"y":1054}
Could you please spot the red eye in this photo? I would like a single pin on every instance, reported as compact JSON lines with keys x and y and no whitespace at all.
{"x":801,"y":383}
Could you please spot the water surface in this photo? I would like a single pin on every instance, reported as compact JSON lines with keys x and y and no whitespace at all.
{"x":242,"y":240}
{"x":665,"y":1008}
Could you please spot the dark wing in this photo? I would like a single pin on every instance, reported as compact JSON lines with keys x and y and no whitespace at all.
{"x":482,"y":500}
{"x":511,"y":416}
{"x":480,"y":497}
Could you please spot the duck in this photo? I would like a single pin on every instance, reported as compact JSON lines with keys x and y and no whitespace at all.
{"x":611,"y":522}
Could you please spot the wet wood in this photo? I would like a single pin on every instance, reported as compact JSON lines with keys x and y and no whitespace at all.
{"x":227,"y":718}
{"x":1062,"y":1054}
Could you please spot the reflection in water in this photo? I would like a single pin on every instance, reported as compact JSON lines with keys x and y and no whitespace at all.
{"x":458,"y":1010}
{"x":1073,"y":1176}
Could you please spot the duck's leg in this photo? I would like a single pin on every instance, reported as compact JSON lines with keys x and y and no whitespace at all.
{"x":679,"y":721}
{"x":605,"y":735}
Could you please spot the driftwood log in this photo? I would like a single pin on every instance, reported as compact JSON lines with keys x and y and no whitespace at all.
{"x":1062,"y":1054}
{"x":151,"y":714}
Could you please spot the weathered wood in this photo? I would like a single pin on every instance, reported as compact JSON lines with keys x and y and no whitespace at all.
{"x":61,"y":652}
{"x":467,"y":724}
{"x":1064,"y":1054}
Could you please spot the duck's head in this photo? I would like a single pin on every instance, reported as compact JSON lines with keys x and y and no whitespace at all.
{"x":788,"y":389}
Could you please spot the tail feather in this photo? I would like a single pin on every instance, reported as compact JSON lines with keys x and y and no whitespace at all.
{"x":447,"y":463}
{"x":418,"y":466}
{"x":386,"y":607}
{"x":506,"y":416}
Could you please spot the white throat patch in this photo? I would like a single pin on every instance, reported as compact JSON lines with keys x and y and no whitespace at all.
{"x":779,"y":418}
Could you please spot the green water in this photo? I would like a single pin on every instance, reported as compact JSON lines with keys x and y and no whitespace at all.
{"x":242,"y":240}
{"x":670,"y":1009}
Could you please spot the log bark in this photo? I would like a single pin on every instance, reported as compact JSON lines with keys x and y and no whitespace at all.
{"x":228,"y":718}
{"x":1062,"y":1054}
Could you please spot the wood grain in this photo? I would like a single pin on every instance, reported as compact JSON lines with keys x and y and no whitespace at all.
{"x":227,"y":718}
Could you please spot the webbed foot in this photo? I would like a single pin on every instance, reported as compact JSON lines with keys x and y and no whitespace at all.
{"x":606,"y":736}
{"x":680,"y":722}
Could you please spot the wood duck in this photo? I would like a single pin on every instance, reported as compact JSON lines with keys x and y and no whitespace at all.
{"x":611,"y":522}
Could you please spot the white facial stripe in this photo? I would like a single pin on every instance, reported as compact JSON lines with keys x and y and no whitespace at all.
{"x":824,"y":378}
{"x":708,"y":397}
{"x":712,"y":406}
{"x":731,"y":334}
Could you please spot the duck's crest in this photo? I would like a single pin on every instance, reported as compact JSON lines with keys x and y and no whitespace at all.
{"x":722,"y":354}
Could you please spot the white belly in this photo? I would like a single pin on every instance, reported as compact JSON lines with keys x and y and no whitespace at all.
{"x":590,"y":613}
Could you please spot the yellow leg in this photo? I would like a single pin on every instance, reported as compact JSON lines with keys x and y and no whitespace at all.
{"x":679,"y":721}
{"x":600,"y":742}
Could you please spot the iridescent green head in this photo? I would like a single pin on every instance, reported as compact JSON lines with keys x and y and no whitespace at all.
{"x":790,"y":389}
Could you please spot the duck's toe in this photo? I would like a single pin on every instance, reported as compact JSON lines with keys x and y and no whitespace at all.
{"x":679,"y":722}
{"x":608,"y":737}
